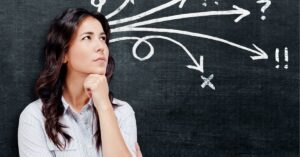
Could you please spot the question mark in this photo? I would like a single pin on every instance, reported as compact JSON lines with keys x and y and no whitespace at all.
{"x":99,"y":5}
{"x":265,"y":7}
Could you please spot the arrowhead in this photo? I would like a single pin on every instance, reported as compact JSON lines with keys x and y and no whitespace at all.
{"x":261,"y":54}
{"x":243,"y":13}
{"x":132,"y":1}
{"x":198,"y":66}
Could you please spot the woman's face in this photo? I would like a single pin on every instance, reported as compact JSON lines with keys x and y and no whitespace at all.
{"x":88,"y":52}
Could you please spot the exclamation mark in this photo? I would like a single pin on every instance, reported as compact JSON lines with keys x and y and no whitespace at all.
{"x":204,"y":3}
{"x":286,"y":57}
{"x":201,"y":64}
{"x":277,"y":57}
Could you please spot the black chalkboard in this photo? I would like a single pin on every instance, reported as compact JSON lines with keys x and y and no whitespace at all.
{"x":209,"y":78}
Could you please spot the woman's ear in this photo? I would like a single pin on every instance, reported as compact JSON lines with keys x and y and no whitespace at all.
{"x":65,"y":59}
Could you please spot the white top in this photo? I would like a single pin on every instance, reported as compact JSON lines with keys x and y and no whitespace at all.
{"x":34,"y":142}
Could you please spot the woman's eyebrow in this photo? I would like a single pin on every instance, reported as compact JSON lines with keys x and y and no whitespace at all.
{"x":91,"y":33}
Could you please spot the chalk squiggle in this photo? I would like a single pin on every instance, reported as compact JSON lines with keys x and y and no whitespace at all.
{"x":99,"y":5}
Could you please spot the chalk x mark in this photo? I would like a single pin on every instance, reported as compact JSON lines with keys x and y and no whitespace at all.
{"x":207,"y":82}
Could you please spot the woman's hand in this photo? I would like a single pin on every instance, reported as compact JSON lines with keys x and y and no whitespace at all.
{"x":138,"y":150}
{"x":96,"y":86}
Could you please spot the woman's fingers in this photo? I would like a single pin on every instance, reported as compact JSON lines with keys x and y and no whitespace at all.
{"x":87,"y":88}
{"x":88,"y":93}
{"x":96,"y":87}
{"x":138,"y":150}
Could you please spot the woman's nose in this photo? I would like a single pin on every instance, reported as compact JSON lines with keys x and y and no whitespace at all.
{"x":99,"y":46}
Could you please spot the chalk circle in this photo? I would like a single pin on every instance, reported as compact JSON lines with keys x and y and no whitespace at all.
{"x":137,"y":44}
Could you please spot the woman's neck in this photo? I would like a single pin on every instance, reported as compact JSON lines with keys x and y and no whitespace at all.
{"x":73,"y":91}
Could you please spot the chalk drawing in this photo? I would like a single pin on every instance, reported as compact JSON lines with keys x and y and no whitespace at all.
{"x":205,"y":3}
{"x":207,"y":82}
{"x":99,"y":5}
{"x":197,"y":66}
{"x":130,"y":24}
{"x":286,"y":58}
{"x":266,"y":5}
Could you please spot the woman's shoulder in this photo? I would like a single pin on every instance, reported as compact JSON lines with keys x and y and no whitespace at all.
{"x":123,"y":108}
{"x":32,"y":110}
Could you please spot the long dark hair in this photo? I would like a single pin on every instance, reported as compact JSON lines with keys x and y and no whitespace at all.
{"x":49,"y":83}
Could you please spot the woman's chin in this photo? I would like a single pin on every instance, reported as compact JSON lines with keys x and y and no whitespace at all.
{"x":100,"y":72}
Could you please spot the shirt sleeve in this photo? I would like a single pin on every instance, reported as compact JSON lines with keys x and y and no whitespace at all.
{"x":129,"y":131}
{"x":31,"y":137}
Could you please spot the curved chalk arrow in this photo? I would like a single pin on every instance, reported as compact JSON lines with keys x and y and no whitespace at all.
{"x":260,"y":54}
{"x":146,"y":13}
{"x":197,"y":66}
{"x":237,"y":11}
{"x":120,"y":8}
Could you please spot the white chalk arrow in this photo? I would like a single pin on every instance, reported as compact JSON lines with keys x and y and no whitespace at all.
{"x":197,"y":66}
{"x":237,"y":11}
{"x":259,"y":53}
{"x":146,"y":13}
{"x":119,"y":9}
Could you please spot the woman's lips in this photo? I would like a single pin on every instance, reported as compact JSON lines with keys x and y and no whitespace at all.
{"x":100,"y":60}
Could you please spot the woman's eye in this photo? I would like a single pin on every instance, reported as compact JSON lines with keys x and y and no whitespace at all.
{"x":103,"y":38}
{"x":86,"y":37}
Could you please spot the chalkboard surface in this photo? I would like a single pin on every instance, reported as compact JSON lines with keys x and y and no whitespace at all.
{"x":209,"y":78}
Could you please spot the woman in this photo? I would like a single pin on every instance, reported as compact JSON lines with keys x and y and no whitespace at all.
{"x":75,"y":114}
